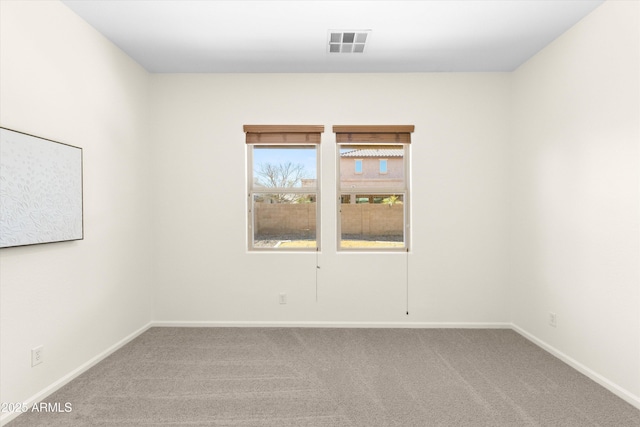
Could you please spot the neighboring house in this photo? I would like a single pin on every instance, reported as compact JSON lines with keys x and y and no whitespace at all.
{"x":370,"y":168}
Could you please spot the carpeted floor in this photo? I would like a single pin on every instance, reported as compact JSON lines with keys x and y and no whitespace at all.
{"x":300,"y":377}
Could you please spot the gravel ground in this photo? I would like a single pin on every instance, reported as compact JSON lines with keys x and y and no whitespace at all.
{"x":370,"y":238}
{"x":272,"y":241}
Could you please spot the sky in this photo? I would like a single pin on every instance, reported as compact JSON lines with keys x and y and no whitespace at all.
{"x":304,"y":156}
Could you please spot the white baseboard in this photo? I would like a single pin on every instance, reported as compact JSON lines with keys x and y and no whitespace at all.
{"x":41,"y":395}
{"x":327,"y":324}
{"x":612,"y":387}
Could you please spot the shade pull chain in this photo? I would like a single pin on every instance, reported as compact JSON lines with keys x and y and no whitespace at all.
{"x":407,"y":277}
{"x":317,"y":268}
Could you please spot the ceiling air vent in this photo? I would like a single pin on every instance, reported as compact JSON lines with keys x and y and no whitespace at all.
{"x":352,"y":41}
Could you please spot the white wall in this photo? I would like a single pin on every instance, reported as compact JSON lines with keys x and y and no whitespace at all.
{"x":59,"y":79}
{"x":457,"y":270}
{"x":575,"y":194}
{"x":165,"y":198}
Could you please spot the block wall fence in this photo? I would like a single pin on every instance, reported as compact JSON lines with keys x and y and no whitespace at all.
{"x":300,"y":219}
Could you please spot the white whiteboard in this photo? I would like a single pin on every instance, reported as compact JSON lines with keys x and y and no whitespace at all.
{"x":40,"y":190}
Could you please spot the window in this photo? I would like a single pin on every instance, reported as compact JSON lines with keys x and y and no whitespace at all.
{"x":373,"y":203}
{"x":383,"y":166}
{"x":283,"y":175}
{"x":358,"y":166}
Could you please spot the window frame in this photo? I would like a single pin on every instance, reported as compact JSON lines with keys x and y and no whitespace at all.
{"x":386,"y":167}
{"x":281,"y":136}
{"x":355,"y":167}
{"x":351,"y":136}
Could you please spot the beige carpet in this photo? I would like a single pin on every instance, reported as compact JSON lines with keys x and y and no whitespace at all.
{"x":333,"y":377}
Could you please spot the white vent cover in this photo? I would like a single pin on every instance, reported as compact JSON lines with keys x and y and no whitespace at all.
{"x":347,"y":41}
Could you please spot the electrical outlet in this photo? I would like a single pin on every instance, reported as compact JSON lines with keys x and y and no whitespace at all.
{"x":37,"y":355}
{"x":283,"y":298}
{"x":552,"y":320}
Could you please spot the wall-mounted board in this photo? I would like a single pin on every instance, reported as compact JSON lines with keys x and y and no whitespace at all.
{"x":40,"y":190}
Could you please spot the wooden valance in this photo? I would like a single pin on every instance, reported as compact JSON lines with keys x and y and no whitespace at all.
{"x":400,"y":134}
{"x":283,"y":134}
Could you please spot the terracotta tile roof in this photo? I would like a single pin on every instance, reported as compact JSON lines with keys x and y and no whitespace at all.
{"x":369,"y":152}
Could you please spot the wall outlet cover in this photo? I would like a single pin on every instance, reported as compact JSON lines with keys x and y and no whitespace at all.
{"x":37,"y":355}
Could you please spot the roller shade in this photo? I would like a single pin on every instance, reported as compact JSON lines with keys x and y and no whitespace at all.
{"x":398,"y":134}
{"x":283,"y":134}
